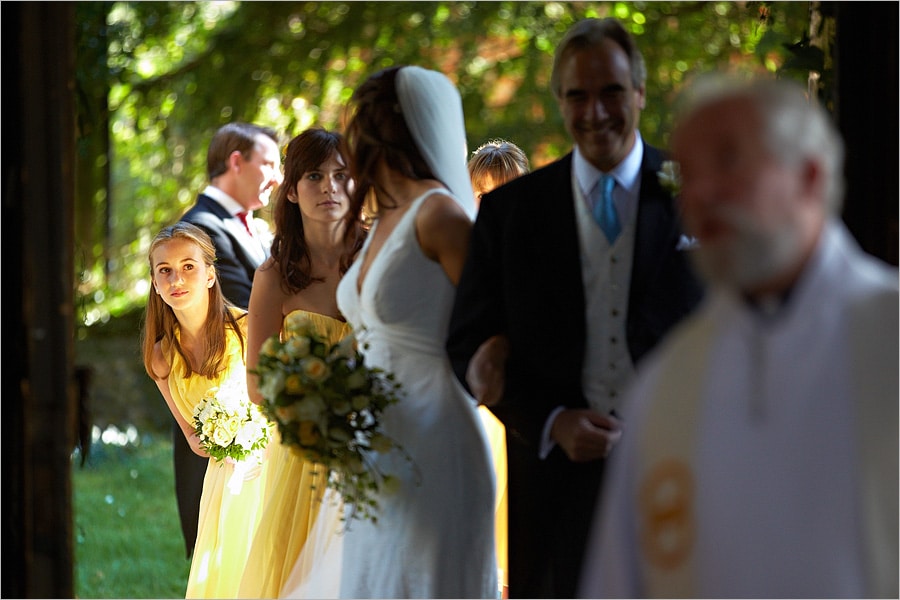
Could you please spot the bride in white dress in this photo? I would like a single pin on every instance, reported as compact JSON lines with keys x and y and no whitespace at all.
{"x":434,"y":537}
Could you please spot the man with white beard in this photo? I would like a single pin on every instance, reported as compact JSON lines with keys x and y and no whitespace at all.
{"x":760,"y":458}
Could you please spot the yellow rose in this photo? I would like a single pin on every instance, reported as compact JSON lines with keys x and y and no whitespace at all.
{"x":294,"y":384}
{"x":285,"y":414}
{"x":315,"y":368}
{"x":309,"y":433}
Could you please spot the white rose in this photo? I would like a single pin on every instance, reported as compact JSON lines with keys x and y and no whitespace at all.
{"x":222,"y":436}
{"x":271,"y":385}
{"x":298,"y":347}
{"x":341,"y":406}
{"x":310,"y":408}
{"x":270,"y":346}
{"x":248,"y":434}
{"x":346,"y":348}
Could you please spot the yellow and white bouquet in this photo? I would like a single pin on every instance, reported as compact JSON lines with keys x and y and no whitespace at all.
{"x":228,"y":424}
{"x":327,"y":405}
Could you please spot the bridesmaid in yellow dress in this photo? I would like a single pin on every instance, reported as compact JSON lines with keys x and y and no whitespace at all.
{"x":491,"y":165}
{"x":309,"y":256}
{"x":192,"y":340}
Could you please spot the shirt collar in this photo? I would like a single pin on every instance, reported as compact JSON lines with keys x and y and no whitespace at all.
{"x":626,"y":173}
{"x":228,"y":203}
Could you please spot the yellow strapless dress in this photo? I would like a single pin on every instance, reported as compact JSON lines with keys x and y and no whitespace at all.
{"x":293,"y":496}
{"x":228,"y":513}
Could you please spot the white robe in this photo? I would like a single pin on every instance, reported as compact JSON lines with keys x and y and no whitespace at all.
{"x":769,"y":412}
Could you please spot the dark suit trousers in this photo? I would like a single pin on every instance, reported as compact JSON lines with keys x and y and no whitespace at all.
{"x":551,"y":507}
{"x":190,"y":469}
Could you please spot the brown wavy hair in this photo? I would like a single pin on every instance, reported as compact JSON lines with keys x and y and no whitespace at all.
{"x":290,"y":252}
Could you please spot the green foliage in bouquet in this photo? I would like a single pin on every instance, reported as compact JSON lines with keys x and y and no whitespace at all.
{"x":327,"y":405}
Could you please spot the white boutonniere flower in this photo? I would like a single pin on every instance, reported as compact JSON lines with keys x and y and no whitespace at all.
{"x":670,"y":177}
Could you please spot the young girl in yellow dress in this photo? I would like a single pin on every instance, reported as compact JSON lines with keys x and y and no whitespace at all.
{"x":309,"y":256}
{"x":491,"y":165}
{"x":194,"y":340}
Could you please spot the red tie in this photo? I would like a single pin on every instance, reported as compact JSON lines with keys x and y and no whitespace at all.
{"x":244,"y":216}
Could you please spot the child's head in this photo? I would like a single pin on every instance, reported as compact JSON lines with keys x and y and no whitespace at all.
{"x":182,"y":261}
{"x":494,"y":163}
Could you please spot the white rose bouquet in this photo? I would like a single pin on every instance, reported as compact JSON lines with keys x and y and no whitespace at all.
{"x":327,"y":404}
{"x":228,"y":424}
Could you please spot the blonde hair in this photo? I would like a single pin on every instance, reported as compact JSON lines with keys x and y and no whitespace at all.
{"x":500,"y":159}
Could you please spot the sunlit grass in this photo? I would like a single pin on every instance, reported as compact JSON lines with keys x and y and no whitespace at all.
{"x":128,"y":541}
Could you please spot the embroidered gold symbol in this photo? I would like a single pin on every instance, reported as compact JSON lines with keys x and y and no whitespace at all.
{"x":666,"y":501}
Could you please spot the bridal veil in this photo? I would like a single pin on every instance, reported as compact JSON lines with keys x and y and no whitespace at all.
{"x":433,"y":111}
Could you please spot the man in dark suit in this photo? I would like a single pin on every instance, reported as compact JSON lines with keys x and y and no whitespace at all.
{"x":243,"y":164}
{"x":566,"y":287}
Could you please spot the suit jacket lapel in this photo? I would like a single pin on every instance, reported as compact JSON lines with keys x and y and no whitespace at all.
{"x":567,"y":262}
{"x":656,"y":230}
{"x":251,"y":247}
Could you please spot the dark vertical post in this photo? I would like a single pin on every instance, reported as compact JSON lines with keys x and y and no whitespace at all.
{"x":38,"y":383}
{"x":867,"y":106}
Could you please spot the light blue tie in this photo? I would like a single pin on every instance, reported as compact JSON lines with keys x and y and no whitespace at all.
{"x":605,"y":210}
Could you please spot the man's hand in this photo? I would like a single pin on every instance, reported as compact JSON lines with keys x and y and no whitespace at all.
{"x":486,"y":374}
{"x":585,"y":434}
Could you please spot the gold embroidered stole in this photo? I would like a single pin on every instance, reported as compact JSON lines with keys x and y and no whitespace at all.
{"x":667,"y":525}
{"x":667,"y":520}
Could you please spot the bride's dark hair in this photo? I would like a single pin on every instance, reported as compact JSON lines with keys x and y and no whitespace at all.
{"x":377,"y":131}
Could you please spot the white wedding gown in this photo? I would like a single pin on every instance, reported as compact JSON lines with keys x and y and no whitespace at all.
{"x":435,"y":536}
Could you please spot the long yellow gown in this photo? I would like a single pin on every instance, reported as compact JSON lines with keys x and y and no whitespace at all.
{"x":228,"y":513}
{"x":292,"y":500}
{"x":496,"y":434}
